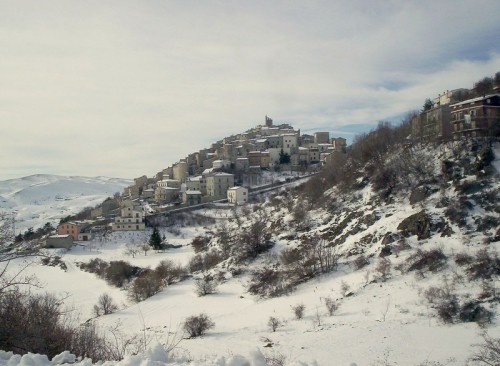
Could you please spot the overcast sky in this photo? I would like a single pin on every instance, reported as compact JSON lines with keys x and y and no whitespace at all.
{"x":126,"y":88}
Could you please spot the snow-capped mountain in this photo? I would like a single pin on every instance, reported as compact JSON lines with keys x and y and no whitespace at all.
{"x":41,"y":198}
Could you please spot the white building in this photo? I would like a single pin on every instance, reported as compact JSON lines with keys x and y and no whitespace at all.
{"x":237,"y":195}
{"x":131,"y":218}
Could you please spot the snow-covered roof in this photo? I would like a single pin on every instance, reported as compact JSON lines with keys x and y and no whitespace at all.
{"x":237,"y":188}
{"x":474,"y":100}
{"x":222,"y":174}
{"x":193,"y":192}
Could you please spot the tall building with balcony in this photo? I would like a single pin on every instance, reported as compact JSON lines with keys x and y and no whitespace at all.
{"x":478,"y":117}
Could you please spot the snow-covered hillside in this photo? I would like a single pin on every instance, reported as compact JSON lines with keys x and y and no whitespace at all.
{"x":400,"y":255}
{"x":42,"y":198}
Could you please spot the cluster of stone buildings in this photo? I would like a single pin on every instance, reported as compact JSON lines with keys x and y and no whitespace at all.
{"x":206,"y":175}
{"x":451,"y":119}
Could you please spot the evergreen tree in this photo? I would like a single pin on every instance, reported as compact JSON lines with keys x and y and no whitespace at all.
{"x":155,"y":239}
{"x":284,"y":157}
{"x":427,"y":105}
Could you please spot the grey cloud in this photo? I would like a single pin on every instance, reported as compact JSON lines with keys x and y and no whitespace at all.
{"x":125,"y":88}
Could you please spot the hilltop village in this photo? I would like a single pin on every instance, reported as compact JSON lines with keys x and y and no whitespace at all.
{"x":225,"y":172}
{"x":237,"y":160}
{"x":234,"y":166}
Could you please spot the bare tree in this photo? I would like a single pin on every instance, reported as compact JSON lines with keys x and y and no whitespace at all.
{"x":105,"y":305}
{"x":11,"y":250}
{"x":331,"y":305}
{"x":132,"y":249}
{"x":487,"y":353}
{"x":298,"y":311}
{"x":205,"y":286}
{"x":274,"y":323}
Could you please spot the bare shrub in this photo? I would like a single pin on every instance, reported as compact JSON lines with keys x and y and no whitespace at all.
{"x":204,"y":261}
{"x":290,"y":256}
{"x":274,"y":323}
{"x":444,"y":301}
{"x":169,"y":272}
{"x":145,"y":286}
{"x":268,"y":282}
{"x":205,"y":286}
{"x":196,"y":264}
{"x":487,"y":353}
{"x":96,"y":266}
{"x":200,"y":243}
{"x":485,"y":265}
{"x":198,"y":325}
{"x":383,"y":268}
{"x":298,"y":311}
{"x":385,"y":179}
{"x":276,"y":359}
{"x":463,"y":259}
{"x":105,"y":305}
{"x":431,"y":260}
{"x":456,"y":214}
{"x":301,"y":215}
{"x":319,"y":257}
{"x":487,"y":290}
{"x":38,"y":324}
{"x":331,"y":305}
{"x":120,"y":272}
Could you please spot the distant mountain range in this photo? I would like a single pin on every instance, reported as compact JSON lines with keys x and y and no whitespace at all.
{"x":41,"y":198}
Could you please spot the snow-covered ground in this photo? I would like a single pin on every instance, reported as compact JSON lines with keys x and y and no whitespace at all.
{"x":377,"y":323}
{"x":42,"y":198}
{"x":380,"y":320}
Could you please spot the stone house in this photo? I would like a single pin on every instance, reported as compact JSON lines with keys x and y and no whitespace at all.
{"x":321,"y":137}
{"x":59,"y":241}
{"x":130,"y":219}
{"x":289,"y":142}
{"x":241,"y":164}
{"x":190,"y":198}
{"x":237,"y":195}
{"x":198,"y":183}
{"x":254,"y":158}
{"x":339,"y":144}
{"x":166,"y":194}
{"x":180,"y":171}
{"x":218,"y":184}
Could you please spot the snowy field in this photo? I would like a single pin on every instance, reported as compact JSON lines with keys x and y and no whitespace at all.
{"x":377,"y":322}
{"x":41,"y":198}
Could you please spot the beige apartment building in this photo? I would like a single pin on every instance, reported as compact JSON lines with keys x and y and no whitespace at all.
{"x":218,"y":184}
